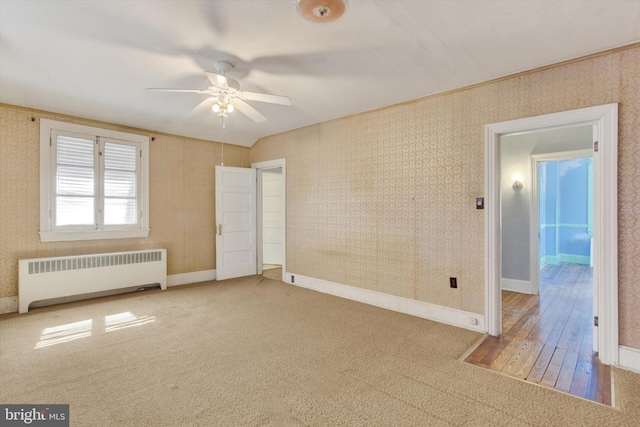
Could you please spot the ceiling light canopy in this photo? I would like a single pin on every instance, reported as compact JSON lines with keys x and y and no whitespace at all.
{"x":321,"y":10}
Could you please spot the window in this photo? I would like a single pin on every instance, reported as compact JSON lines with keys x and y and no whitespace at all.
{"x":93,"y":183}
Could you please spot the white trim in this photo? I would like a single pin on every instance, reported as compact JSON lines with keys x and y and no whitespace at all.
{"x":575,"y":259}
{"x":259,"y":222}
{"x":563,"y":155}
{"x":260,"y":166}
{"x":193,"y":277}
{"x":65,"y":236}
{"x":47,"y":234}
{"x":534,"y":230}
{"x":605,"y":121}
{"x":522,"y":286}
{"x":8,"y":305}
{"x":409,"y":306}
{"x":629,"y":358}
{"x":492,"y":268}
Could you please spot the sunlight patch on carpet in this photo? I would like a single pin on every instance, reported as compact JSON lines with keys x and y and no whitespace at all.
{"x":83,"y":329}
{"x":65,"y":333}
{"x":124,"y":320}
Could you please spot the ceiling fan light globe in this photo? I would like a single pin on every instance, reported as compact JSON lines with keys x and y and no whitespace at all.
{"x":230,"y":108}
{"x":215,"y":108}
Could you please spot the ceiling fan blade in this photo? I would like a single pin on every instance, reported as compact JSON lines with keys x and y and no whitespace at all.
{"x":161,"y":89}
{"x":217,"y":80}
{"x":249,"y":111}
{"x":203,"y":106}
{"x":265,"y":97}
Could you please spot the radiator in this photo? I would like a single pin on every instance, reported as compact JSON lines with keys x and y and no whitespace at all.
{"x":46,"y":278}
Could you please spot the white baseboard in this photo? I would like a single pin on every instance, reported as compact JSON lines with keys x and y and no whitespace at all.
{"x":193,"y":277}
{"x":575,"y":259}
{"x":572,"y":259}
{"x":8,"y":305}
{"x":629,"y":358}
{"x":522,"y":286}
{"x":413,"y":307}
{"x":548,"y":260}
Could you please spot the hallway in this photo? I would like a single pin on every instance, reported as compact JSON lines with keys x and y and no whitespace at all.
{"x":547,"y":338}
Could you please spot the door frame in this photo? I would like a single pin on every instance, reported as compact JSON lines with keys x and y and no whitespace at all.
{"x":605,"y":177}
{"x":534,"y":213}
{"x":260,"y":167}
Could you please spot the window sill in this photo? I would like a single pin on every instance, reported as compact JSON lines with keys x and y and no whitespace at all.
{"x":66,"y":236}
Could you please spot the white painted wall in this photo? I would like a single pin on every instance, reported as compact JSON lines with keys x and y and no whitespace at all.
{"x":272,"y":216}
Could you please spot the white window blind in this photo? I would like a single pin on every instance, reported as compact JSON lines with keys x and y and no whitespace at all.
{"x":120,"y":184}
{"x":75,"y":179}
{"x":93,"y":185}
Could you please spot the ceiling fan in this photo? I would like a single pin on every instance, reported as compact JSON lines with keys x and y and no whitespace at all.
{"x":226,"y":95}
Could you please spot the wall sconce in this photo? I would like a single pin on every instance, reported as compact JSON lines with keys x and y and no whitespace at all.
{"x":517,"y":181}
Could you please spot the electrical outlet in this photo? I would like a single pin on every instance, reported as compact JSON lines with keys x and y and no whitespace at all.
{"x":293,"y":279}
{"x":473,"y":320}
{"x":453,"y":282}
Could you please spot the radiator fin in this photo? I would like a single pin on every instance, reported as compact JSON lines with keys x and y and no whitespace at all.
{"x":92,"y":261}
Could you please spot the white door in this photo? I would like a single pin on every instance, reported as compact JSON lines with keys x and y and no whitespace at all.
{"x":235,"y":222}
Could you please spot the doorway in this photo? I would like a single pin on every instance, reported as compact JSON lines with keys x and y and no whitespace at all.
{"x":271,"y":218}
{"x":546,"y":278}
{"x":521,"y":154}
{"x":272,"y":223}
{"x":604,"y":120}
{"x":562,"y":207}
{"x":239,"y":219}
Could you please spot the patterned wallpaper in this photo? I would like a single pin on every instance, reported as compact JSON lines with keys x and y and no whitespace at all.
{"x":182,"y":202}
{"x":384,"y":200}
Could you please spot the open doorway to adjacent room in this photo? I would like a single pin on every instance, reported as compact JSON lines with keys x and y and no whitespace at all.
{"x":543,"y":323}
{"x":546,"y":269}
{"x":272,"y":223}
{"x":271,"y":218}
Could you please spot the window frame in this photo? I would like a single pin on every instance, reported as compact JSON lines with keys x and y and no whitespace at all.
{"x":49,"y":232}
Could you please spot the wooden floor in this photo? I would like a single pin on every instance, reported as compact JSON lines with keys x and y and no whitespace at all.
{"x":547,"y":338}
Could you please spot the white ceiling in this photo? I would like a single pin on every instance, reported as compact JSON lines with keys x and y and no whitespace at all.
{"x":94,"y":59}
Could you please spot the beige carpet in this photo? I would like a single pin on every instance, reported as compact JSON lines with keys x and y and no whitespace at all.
{"x":255,"y":352}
